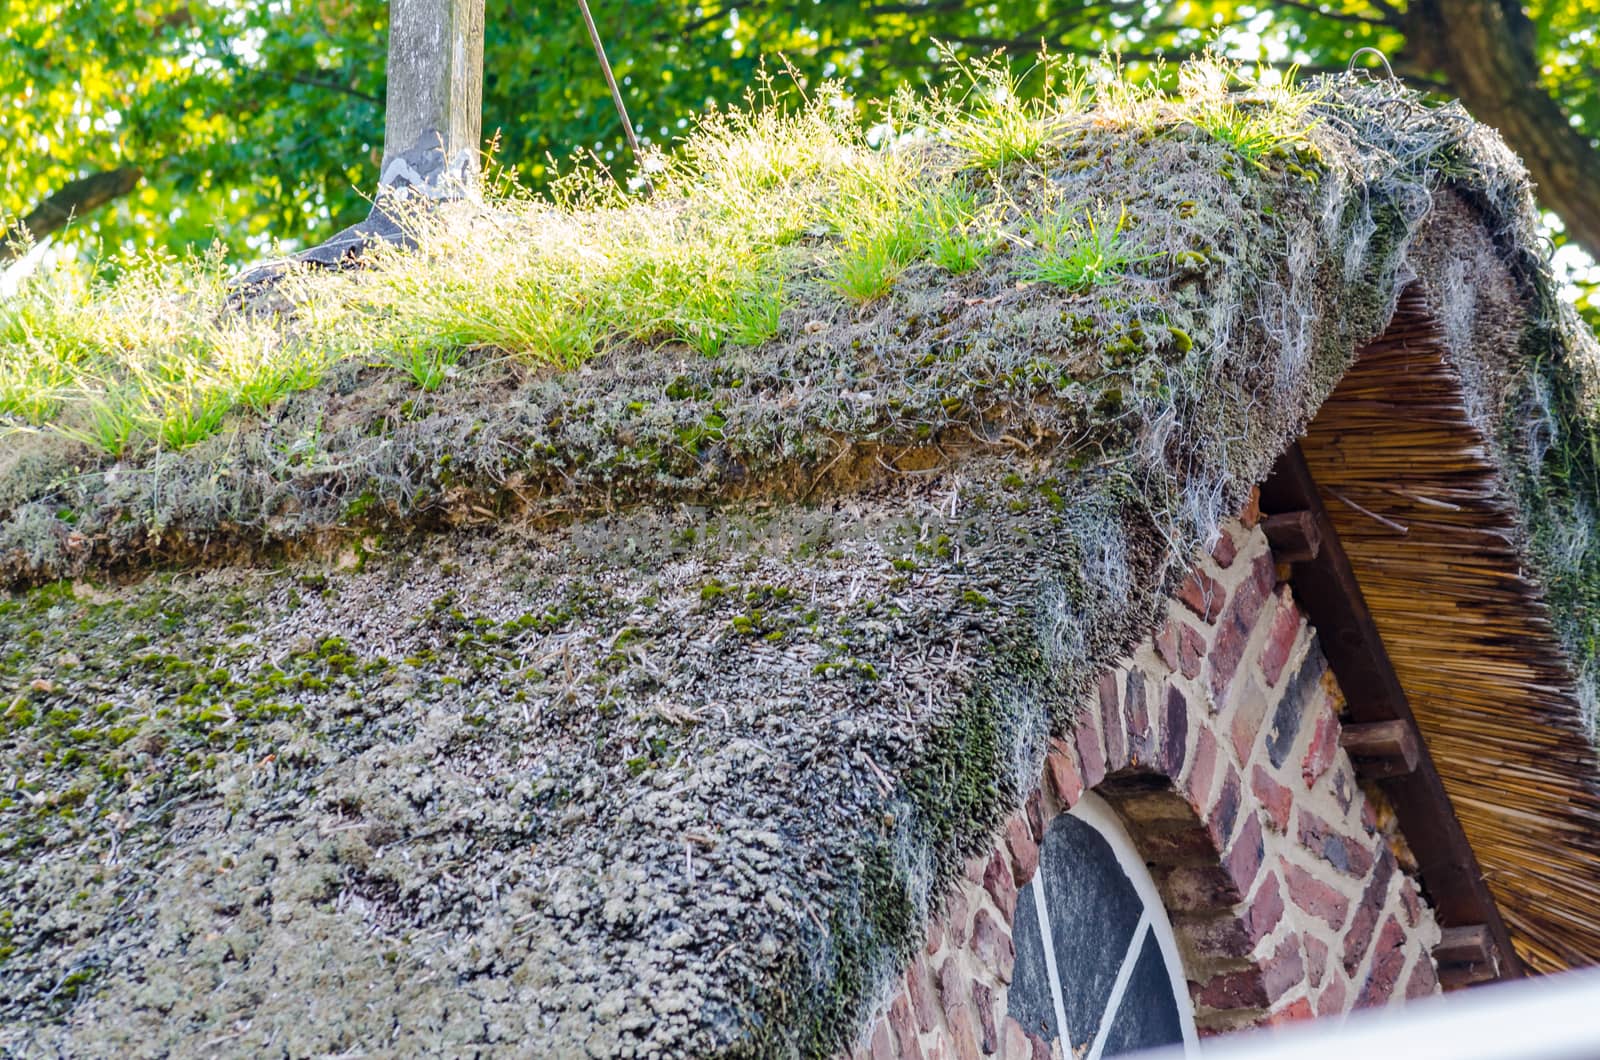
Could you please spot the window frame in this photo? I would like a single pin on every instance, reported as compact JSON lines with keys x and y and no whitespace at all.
{"x":1095,"y":812}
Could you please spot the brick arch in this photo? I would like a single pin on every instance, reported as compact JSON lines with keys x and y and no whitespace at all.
{"x":1217,"y":743}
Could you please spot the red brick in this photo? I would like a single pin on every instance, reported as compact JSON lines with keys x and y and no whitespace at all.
{"x":1285,"y":969}
{"x":1323,"y":750}
{"x":917,"y":990}
{"x":905,"y":1035}
{"x":1315,"y":897}
{"x":1136,"y":708}
{"x":1373,"y":900}
{"x":1191,"y":651}
{"x":1389,"y":957}
{"x":1249,"y":708}
{"x":1244,"y":857}
{"x":1023,"y":848}
{"x":1275,"y":799}
{"x":1302,"y":695}
{"x":1348,"y":855}
{"x":1174,"y":732}
{"x":1226,"y":651}
{"x":1424,"y":980}
{"x":1231,"y":990}
{"x":989,"y":1033}
{"x":1224,"y":812}
{"x":1062,"y":766}
{"x":1344,"y":786}
{"x":1113,"y":730}
{"x":1167,"y":643}
{"x":1224,"y":550}
{"x":1411,"y":902}
{"x":1091,"y":755}
{"x":882,"y":1046}
{"x":1296,"y":1011}
{"x":1281,"y":635}
{"x":1203,"y":594}
{"x":993,"y":947}
{"x":1002,"y":887}
{"x":1202,"y":766}
{"x":1331,"y":1001}
{"x":1251,"y":514}
{"x":1316,"y":958}
{"x":957,"y":915}
{"x":1265,"y":910}
{"x":1255,"y":987}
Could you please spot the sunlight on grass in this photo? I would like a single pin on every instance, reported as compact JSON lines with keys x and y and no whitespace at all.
{"x":1081,"y":249}
{"x":760,"y":208}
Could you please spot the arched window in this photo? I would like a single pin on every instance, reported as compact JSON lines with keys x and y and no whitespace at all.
{"x":1097,"y":963}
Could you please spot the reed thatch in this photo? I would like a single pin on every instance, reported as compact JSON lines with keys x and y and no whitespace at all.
{"x":1411,"y":452}
{"x":648,"y":709}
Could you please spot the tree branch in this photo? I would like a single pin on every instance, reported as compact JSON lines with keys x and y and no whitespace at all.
{"x":317,"y":82}
{"x":1390,"y":17}
{"x":74,"y":199}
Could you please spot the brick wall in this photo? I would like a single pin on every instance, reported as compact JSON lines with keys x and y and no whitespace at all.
{"x":1217,"y":742}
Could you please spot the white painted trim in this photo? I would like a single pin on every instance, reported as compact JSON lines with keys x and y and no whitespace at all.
{"x":1042,"y":914}
{"x":1119,"y":986}
{"x":1097,"y":814}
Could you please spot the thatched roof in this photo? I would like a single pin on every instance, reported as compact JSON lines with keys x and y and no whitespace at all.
{"x":647,"y":708}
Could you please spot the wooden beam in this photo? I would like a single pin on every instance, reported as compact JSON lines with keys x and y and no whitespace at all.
{"x":1382,"y":749}
{"x":1465,"y":955}
{"x":1327,"y":591}
{"x":1294,"y":536}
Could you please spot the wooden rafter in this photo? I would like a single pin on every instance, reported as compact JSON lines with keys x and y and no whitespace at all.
{"x":1326,"y":588}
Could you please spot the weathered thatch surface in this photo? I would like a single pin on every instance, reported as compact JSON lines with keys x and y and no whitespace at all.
{"x":645,"y":709}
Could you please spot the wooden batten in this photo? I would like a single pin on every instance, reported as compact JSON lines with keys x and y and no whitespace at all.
{"x":1427,"y":528}
{"x":1382,"y":749}
{"x":1295,"y":536}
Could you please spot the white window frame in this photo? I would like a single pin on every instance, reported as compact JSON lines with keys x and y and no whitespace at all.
{"x":1098,"y":814}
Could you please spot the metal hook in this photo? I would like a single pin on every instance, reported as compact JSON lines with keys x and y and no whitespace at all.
{"x":1350,"y":68}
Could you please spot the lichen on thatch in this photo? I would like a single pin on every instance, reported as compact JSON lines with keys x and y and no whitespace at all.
{"x":647,"y":707}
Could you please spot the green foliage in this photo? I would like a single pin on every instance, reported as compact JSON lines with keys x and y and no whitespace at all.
{"x":1270,"y":119}
{"x":1081,"y":250}
{"x":958,"y":239}
{"x":1005,"y":116}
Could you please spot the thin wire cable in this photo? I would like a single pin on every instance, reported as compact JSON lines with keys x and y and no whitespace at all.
{"x":616,"y":93}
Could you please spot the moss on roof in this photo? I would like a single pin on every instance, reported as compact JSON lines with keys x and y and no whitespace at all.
{"x":645,"y":707}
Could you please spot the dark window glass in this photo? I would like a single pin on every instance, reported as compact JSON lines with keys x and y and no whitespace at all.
{"x":1148,"y":1014}
{"x":1103,"y":974}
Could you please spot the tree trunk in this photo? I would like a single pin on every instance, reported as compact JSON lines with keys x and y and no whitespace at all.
{"x":433,"y":115}
{"x":74,"y":199}
{"x":1487,"y":50}
{"x":432,"y":122}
